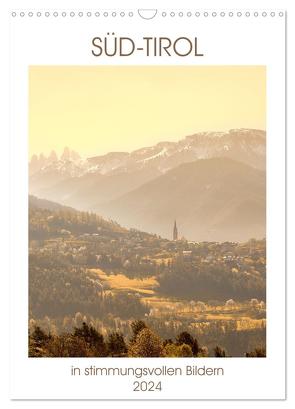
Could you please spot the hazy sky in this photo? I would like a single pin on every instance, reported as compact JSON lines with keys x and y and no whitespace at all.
{"x":95,"y":110}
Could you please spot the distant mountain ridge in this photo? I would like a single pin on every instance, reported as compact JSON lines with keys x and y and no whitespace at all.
{"x":215,"y":199}
{"x":83,"y":183}
{"x":99,"y":182}
{"x":246,"y":145}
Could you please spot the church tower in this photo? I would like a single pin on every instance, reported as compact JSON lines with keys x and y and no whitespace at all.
{"x":175,"y":231}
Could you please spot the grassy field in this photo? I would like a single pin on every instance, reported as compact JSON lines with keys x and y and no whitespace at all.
{"x":246,"y":315}
{"x":119,"y":282}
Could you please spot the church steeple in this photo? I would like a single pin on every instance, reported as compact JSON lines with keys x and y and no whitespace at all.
{"x":175,"y":231}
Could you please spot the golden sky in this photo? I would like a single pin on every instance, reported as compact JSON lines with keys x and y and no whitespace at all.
{"x":98,"y":109}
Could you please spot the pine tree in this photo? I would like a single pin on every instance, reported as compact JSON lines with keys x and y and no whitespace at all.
{"x":186,"y":338}
{"x":116,"y":344}
{"x":219,"y":352}
{"x":147,"y":344}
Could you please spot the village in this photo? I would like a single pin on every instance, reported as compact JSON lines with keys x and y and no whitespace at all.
{"x":139,"y":254}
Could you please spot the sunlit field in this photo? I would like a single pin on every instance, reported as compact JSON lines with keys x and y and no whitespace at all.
{"x":121,"y":282}
{"x":246,"y":315}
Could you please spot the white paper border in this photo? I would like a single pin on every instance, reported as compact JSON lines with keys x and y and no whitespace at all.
{"x":260,"y":379}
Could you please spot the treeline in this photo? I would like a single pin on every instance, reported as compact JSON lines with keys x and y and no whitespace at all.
{"x":225,"y":332}
{"x":57,"y":292}
{"x":86,"y":341}
{"x":108,"y":246}
{"x":44,"y":224}
{"x":204,"y":282}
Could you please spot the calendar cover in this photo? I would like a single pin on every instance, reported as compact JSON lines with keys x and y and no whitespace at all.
{"x":147,"y":149}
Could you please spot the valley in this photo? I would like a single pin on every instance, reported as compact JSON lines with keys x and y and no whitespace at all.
{"x":213,"y":183}
{"x":86,"y":269}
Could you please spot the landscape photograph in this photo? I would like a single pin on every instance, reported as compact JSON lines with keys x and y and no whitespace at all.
{"x":147,"y":211}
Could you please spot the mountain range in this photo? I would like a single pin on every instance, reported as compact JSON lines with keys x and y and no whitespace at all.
{"x":212,"y":200}
{"x":212,"y":183}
